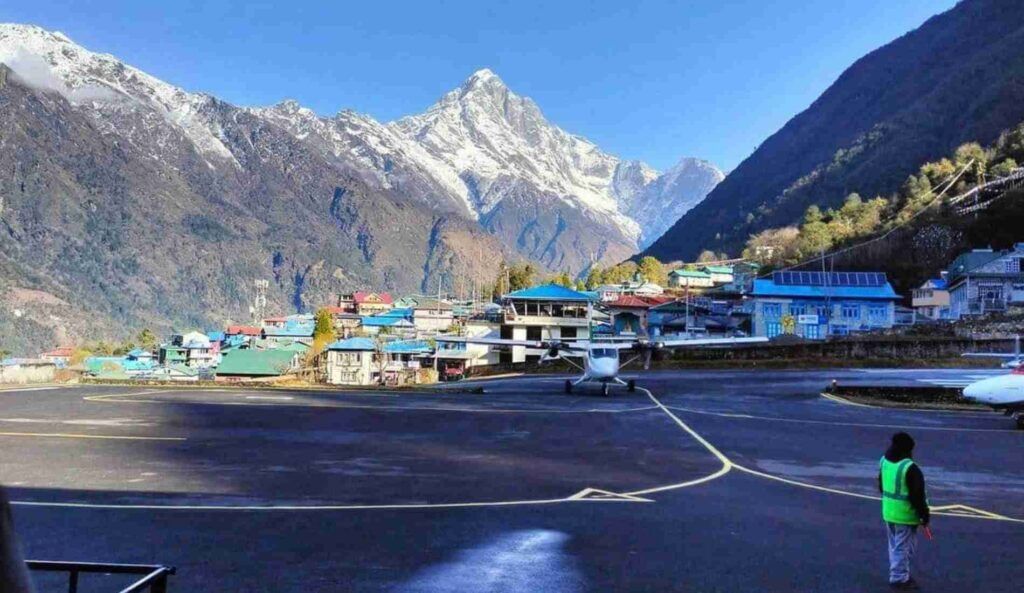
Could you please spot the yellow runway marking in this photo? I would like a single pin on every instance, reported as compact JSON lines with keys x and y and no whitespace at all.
{"x":586,"y":495}
{"x":842,"y":400}
{"x":67,"y":435}
{"x":840,"y":423}
{"x":726,"y":463}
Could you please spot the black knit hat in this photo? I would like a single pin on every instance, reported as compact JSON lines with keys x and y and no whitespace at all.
{"x":902,"y":441}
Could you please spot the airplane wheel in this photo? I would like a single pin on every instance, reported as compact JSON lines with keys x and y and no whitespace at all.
{"x":568,"y":386}
{"x":631,"y":386}
{"x":1020,"y":421}
{"x":604,"y":390}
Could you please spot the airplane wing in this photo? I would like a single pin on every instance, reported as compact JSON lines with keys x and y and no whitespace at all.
{"x":487,"y":341}
{"x":708,"y":342}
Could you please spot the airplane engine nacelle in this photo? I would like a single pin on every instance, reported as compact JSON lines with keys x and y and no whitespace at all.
{"x":550,"y":355}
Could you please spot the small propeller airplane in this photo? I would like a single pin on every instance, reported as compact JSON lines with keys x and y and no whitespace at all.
{"x":601,"y":359}
{"x":1003,"y":393}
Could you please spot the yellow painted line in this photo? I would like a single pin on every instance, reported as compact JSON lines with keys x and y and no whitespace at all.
{"x":946,"y":510}
{"x":840,"y":423}
{"x":844,"y":401}
{"x":841,"y":400}
{"x":68,"y":435}
{"x":726,"y":463}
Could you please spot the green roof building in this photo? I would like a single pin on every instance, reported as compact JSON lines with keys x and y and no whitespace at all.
{"x":257,"y":363}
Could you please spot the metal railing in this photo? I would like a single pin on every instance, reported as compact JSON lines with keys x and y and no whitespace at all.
{"x":153,"y":576}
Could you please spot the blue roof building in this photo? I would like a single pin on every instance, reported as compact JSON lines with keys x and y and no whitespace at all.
{"x":815,"y":305}
{"x":549,"y":292}
{"x":545,"y":312}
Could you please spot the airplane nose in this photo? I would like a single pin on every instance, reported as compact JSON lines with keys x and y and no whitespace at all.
{"x":975,"y":392}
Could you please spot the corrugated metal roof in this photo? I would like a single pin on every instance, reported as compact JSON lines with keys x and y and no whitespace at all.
{"x":549,"y":292}
{"x":382,"y":321}
{"x":253,"y":363}
{"x":690,"y":274}
{"x":970,"y":260}
{"x":717,"y":269}
{"x":362,"y":344}
{"x":766,"y":287}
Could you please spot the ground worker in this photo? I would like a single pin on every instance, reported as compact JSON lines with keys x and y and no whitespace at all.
{"x":904,"y":507}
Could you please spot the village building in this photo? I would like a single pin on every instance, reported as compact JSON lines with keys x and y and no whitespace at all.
{"x":193,"y":349}
{"x":546,"y":312}
{"x":373,"y":361}
{"x":815,"y":305}
{"x":60,"y":357}
{"x":344,"y":320}
{"x":719,"y":274}
{"x":984,"y":281}
{"x":371,"y":303}
{"x":638,"y":286}
{"x":257,"y":365}
{"x":931,"y":299}
{"x":391,"y":322}
{"x":429,"y":314}
{"x":628,"y":315}
{"x":689,"y":279}
{"x":294,"y":329}
{"x":455,"y":359}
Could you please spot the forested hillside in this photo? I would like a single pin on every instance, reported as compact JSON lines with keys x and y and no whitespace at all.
{"x":915,"y":232}
{"x":958,"y":78}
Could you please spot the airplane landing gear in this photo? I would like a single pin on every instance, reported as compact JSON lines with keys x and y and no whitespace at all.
{"x":604,"y":389}
{"x":1019,"y":417}
{"x":568,"y":386}
{"x":631,"y":385}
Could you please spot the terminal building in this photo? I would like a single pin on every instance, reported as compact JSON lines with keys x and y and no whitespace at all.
{"x":816,"y":305}
{"x":545,"y":312}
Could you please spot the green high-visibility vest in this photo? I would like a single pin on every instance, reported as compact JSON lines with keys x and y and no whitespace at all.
{"x":896,"y":507}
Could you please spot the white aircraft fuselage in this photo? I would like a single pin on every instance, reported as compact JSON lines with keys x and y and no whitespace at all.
{"x":1005,"y":392}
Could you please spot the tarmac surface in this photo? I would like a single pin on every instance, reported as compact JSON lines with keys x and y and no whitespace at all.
{"x":709,"y":481}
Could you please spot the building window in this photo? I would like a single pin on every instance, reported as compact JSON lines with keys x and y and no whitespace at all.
{"x":772,"y":310}
{"x":533,"y":333}
{"x":568,"y":333}
{"x":1012,"y":265}
{"x":840,"y":330}
{"x":823,"y":313}
{"x":812,"y":332}
{"x":878,"y":314}
{"x":851,"y":311}
{"x":797,"y":310}
{"x":773,"y":329}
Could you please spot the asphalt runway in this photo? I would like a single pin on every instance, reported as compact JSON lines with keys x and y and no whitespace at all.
{"x":709,"y":481}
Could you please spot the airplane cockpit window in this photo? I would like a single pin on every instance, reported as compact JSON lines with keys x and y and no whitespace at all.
{"x":604,"y":353}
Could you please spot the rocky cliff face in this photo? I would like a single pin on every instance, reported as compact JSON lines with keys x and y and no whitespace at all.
{"x":129,"y":202}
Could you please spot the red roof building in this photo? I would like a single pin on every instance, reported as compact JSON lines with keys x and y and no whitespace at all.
{"x":243,"y":330}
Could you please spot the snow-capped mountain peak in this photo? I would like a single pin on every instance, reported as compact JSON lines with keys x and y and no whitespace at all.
{"x":481,"y":151}
{"x":50,"y":61}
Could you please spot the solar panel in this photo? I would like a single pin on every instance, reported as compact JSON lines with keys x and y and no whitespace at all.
{"x":867,"y":279}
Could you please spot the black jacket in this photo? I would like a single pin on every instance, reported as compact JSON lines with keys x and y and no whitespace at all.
{"x":915,"y":484}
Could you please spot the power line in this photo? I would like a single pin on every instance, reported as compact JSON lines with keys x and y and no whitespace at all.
{"x":948,"y":183}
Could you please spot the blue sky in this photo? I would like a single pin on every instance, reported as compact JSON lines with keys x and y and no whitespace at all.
{"x":654,"y":80}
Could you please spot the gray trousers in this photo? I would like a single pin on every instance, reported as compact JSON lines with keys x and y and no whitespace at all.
{"x":902,"y":545}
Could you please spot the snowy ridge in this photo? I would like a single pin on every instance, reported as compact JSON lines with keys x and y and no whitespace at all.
{"x":481,"y":149}
{"x":490,"y":135}
{"x":51,"y":61}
